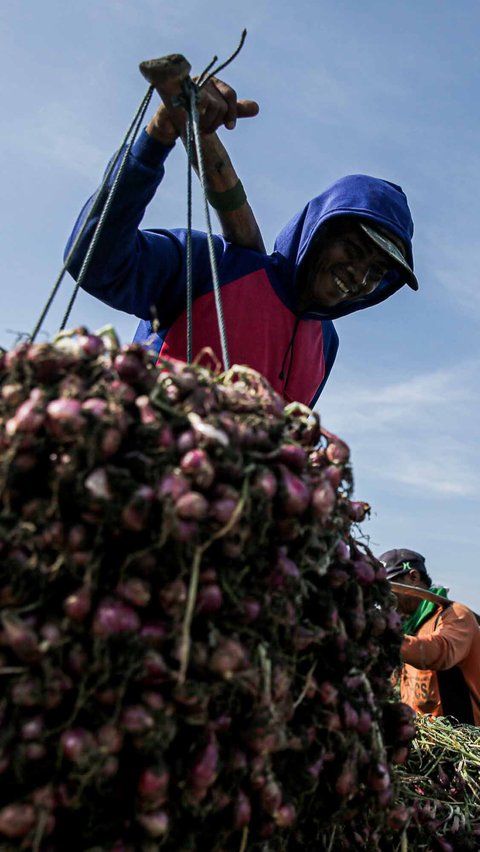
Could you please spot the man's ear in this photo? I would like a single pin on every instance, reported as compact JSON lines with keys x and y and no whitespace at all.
{"x":415,"y":576}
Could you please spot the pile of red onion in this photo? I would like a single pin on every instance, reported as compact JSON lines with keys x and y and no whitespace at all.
{"x":195,"y":650}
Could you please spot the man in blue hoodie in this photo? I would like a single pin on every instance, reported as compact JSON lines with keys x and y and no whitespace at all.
{"x":348,"y":249}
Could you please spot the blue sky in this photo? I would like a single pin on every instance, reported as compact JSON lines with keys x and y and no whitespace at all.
{"x":386,"y":88}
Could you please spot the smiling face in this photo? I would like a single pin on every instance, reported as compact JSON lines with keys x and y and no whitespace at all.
{"x":343,"y":264}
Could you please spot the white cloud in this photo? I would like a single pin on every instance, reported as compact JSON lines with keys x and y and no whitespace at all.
{"x":424,"y":468}
{"x":420,"y":435}
{"x":60,"y":138}
{"x":72,"y":153}
{"x":457,"y":264}
{"x":124,"y":13}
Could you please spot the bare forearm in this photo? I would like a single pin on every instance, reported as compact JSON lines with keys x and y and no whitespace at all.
{"x":161,"y":127}
{"x":238,"y":226}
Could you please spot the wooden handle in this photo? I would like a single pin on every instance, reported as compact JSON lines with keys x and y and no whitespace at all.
{"x":423,"y":594}
{"x":418,"y":592}
{"x":166,"y":73}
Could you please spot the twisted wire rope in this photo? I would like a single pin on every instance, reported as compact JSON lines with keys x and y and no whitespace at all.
{"x":108,"y":203}
{"x":194,"y":119}
{"x":132,"y":128}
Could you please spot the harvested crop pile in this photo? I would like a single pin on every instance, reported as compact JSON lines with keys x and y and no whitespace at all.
{"x":194,"y":650}
{"x":437,"y":797}
{"x":440,"y":786}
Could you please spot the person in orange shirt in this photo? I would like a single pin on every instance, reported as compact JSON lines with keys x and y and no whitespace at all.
{"x":440,"y":652}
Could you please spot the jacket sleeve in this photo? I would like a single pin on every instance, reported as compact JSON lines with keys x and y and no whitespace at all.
{"x":134,"y":270}
{"x":447,"y":646}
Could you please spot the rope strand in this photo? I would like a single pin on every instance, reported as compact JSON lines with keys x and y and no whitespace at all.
{"x":141,"y":110}
{"x":205,"y":71}
{"x":106,"y":208}
{"x":211,"y":247}
{"x":189,"y":143}
{"x":223,"y":64}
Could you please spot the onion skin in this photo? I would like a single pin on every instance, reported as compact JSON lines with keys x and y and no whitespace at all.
{"x":328,"y":694}
{"x":364,"y":724}
{"x":192,"y":506}
{"x":130,"y":367}
{"x":379,"y":778}
{"x":123,"y":392}
{"x":285,"y":816}
{"x":197,"y":464}
{"x":29,"y":418}
{"x":271,"y":796}
{"x":20,"y":638}
{"x":323,"y":501}
{"x":136,"y":514}
{"x":136,"y":719}
{"x":346,"y":783}
{"x":333,"y":475}
{"x":173,"y":596}
{"x":173,"y":484}
{"x":228,"y":658}
{"x":17,"y":820}
{"x":26,"y":693}
{"x":205,"y":770}
{"x":400,"y":755}
{"x":251,"y":610}
{"x":295,"y":493}
{"x":135,"y":591}
{"x":109,"y":739}
{"x":153,"y":785}
{"x":337,"y":450}
{"x":12,"y":394}
{"x":265,"y":481}
{"x":222,"y":510}
{"x":64,"y":418}
{"x":209,"y":599}
{"x":156,"y":669}
{"x":148,"y":415}
{"x":186,"y":441}
{"x":294,"y":456}
{"x":155,"y":824}
{"x":97,"y":484}
{"x":286,"y":566}
{"x":76,"y":744}
{"x":358,"y":510}
{"x":154,"y":633}
{"x":35,"y":751}
{"x":33,"y":728}
{"x":113,"y":617}
{"x":95,"y":406}
{"x":110,"y":442}
{"x":185,"y":531}
{"x":77,"y":606}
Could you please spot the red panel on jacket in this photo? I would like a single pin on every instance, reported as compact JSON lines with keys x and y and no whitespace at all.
{"x":253,"y":316}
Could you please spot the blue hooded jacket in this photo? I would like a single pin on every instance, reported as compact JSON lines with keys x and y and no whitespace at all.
{"x":143,"y":272}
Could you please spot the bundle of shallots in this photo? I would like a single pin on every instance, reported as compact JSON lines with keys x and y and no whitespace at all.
{"x":195,"y":651}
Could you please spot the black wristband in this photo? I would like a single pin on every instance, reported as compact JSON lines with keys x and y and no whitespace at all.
{"x":229,"y":200}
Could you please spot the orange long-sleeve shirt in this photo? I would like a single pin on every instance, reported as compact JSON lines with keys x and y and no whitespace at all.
{"x":441,"y":665}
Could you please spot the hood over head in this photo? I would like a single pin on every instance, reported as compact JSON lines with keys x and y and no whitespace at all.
{"x":376,"y":202}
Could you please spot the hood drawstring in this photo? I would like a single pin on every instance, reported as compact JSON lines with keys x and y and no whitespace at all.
{"x":289,"y":349}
